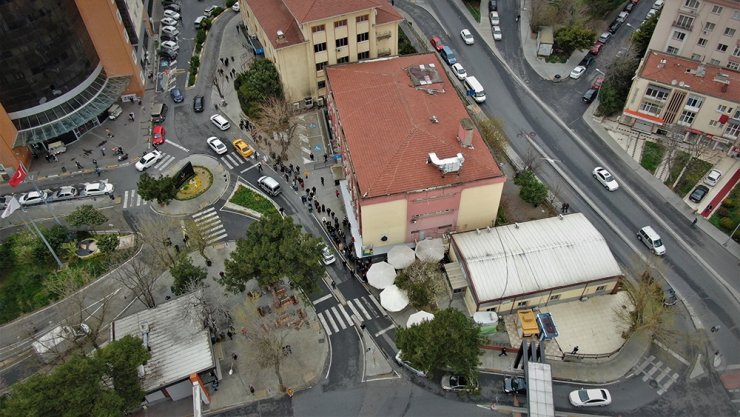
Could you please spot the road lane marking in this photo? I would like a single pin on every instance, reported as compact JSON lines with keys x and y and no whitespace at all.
{"x":385,"y":330}
{"x":354,"y":311}
{"x":326,"y":326}
{"x":346,"y":316}
{"x":339,"y":318}
{"x":326,"y":297}
{"x":327,"y":313}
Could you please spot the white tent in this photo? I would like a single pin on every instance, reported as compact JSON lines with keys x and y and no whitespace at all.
{"x":430,"y":250}
{"x":381,"y":275}
{"x":418,"y":318}
{"x":401,"y":256}
{"x":394,"y":299}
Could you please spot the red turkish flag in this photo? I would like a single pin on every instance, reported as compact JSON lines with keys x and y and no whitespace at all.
{"x":18,"y":177}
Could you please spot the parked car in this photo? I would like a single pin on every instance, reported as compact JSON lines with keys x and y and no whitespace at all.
{"x":590,"y":95}
{"x":497,"y":34}
{"x":596,"y":48}
{"x":658,"y":4}
{"x":198,"y":103}
{"x":176,"y":95}
{"x":408,"y":365}
{"x":168,"y":21}
{"x":577,"y":72}
{"x":456,"y":383}
{"x":114,"y":111}
{"x":64,"y":193}
{"x":148,"y":160}
{"x":33,"y":197}
{"x":590,"y":398}
{"x":699,"y":193}
{"x":220,"y":122}
{"x":92,"y":189}
{"x":669,"y":296}
{"x":172,"y":14}
{"x":217,"y":145}
{"x":623,"y":17}
{"x":605,"y":37}
{"x":492,"y":5}
{"x":459,"y":71}
{"x":628,"y":7}
{"x":467,"y":37}
{"x":712,"y":178}
{"x":605,"y":178}
{"x":167,"y":37}
{"x":235,"y":7}
{"x":172,"y":6}
{"x":494,"y":17}
{"x":598,"y":82}
{"x":170,"y":30}
{"x":171,"y":55}
{"x":327,"y":256}
{"x":158,"y":134}
{"x":587,"y":60}
{"x":436,"y":43}
{"x":170,"y":45}
{"x":242,"y":148}
{"x":650,"y":13}
{"x":199,"y":21}
{"x":616,"y":24}
{"x":209,"y":10}
{"x":515,"y":385}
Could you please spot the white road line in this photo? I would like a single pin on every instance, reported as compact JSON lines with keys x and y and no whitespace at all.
{"x":385,"y":330}
{"x":226,"y":162}
{"x":323,"y":322}
{"x":326,"y":297}
{"x":211,"y":225}
{"x":164,"y":159}
{"x":138,"y":200}
{"x":233,"y":161}
{"x":247,"y":169}
{"x":339,"y":318}
{"x":216,"y":239}
{"x":167,"y":163}
{"x":213,"y":232}
{"x":354,"y":311}
{"x":359,"y":304}
{"x":239,"y":159}
{"x":125,"y":199}
{"x":346,"y":316}
{"x":203,"y":212}
{"x":207,"y":218}
{"x":178,"y":146}
{"x":377,"y":304}
{"x":327,"y":313}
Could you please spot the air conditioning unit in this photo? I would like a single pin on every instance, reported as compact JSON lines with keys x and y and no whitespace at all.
{"x":320,"y":102}
{"x":297,"y":105}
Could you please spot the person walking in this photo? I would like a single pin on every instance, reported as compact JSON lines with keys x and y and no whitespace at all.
{"x":97,"y":171}
{"x":715,"y":329}
{"x":108,"y":133}
{"x":337,"y":193}
{"x":503,"y":352}
{"x":79,"y":165}
{"x":575,"y":350}
{"x":322,"y":181}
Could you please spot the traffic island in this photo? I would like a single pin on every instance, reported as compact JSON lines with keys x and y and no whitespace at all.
{"x":197,"y":185}
{"x":205,"y":188}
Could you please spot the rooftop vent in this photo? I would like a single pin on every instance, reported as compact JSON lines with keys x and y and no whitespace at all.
{"x":434,"y":119}
{"x":447,"y":165}
{"x":281,"y":36}
{"x":465,"y":132}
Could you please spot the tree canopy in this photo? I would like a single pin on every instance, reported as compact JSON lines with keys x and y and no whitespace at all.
{"x":450,"y":341}
{"x":257,"y":85}
{"x":104,"y":384}
{"x":532,"y":190}
{"x":641,"y":37}
{"x":274,"y":248}
{"x":617,"y":83}
{"x":86,"y":215}
{"x":423,"y":283}
{"x":574,"y":37}
{"x":162,"y":189}
{"x":186,"y":275}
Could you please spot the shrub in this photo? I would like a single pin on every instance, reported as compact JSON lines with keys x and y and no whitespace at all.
{"x":200,"y":37}
{"x":194,"y":64}
{"x":727,"y":224}
{"x":723,"y":212}
{"x":729,"y":203}
{"x":230,"y":3}
{"x":652,"y":154}
{"x":107,"y":243}
{"x":532,"y":190}
{"x":206,"y":23}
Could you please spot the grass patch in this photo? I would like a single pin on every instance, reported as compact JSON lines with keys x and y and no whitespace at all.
{"x":727,"y":216}
{"x":557,"y":57}
{"x":252,"y":200}
{"x":679,"y":161}
{"x":652,"y":154}
{"x":196,"y":185}
{"x":695,"y":171}
{"x":474,"y":8}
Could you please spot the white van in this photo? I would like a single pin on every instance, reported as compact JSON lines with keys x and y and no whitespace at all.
{"x":652,"y":240}
{"x":220,"y":122}
{"x":474,"y":89}
{"x":269,"y":185}
{"x":658,"y":4}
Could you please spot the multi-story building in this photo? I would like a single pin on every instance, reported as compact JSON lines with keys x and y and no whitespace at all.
{"x":302,"y":37}
{"x":64,"y":63}
{"x":702,"y":101}
{"x":414,"y":164}
{"x":706,"y":31}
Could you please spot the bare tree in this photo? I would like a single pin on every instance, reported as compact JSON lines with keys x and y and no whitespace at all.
{"x":491,"y":129}
{"x":205,"y":306}
{"x":276,"y":121}
{"x":196,"y":238}
{"x":155,"y":232}
{"x":138,"y":276}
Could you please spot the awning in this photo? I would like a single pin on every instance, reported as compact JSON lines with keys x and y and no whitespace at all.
{"x":455,"y":276}
{"x":644,"y":117}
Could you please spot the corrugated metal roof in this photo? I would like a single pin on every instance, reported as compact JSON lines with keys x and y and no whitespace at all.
{"x":535,"y":256}
{"x":179,"y":343}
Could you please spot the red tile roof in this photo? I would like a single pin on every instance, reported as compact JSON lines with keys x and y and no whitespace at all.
{"x":386,"y":12}
{"x":311,"y":10}
{"x":272,"y":16}
{"x":388,"y":128}
{"x":676,"y":70}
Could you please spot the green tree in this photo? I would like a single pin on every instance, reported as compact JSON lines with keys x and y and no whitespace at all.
{"x":617,"y":83}
{"x":162,"y":189}
{"x":573,"y":37}
{"x":86,"y":215}
{"x":107,"y":243}
{"x":258,"y":84}
{"x":186,"y":275}
{"x":122,"y":358}
{"x":450,"y":341}
{"x":600,"y":8}
{"x":531,"y":189}
{"x":641,"y":37}
{"x":274,"y":248}
{"x":423,"y":282}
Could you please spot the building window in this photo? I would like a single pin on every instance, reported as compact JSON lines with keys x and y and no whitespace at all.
{"x":317,"y":29}
{"x":687,"y":117}
{"x":733,"y":66}
{"x":692,"y":4}
{"x":340,"y":23}
{"x":491,"y":309}
{"x":714,"y":123}
{"x":320,"y":66}
{"x":522,"y":303}
{"x":343,"y":60}
{"x":341,"y":42}
{"x":721,"y":47}
{"x":736,"y":52}
{"x":708,"y":27}
{"x":672,"y":50}
{"x":319,"y":47}
{"x":733,"y":129}
{"x":702,"y":42}
{"x":722,"y":108}
{"x":716,"y":9}
{"x":695,"y":57}
{"x":657,"y":93}
{"x":684,"y":22}
{"x":736,"y":15}
{"x":714,"y":62}
{"x":554,"y":297}
{"x":695,"y":101}
{"x":736,"y":116}
{"x":679,"y":36}
{"x":363,"y":18}
{"x":363,"y":55}
{"x":651,"y":108}
{"x":601,"y":288}
{"x":321,"y":84}
{"x":729,"y":32}
{"x":363,"y":37}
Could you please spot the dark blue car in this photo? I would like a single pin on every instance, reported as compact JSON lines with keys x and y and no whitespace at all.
{"x":176,"y":95}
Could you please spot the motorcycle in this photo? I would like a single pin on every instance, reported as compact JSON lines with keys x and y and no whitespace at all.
{"x":123,"y":157}
{"x":118,"y":150}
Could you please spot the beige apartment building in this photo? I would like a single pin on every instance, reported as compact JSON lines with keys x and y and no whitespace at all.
{"x":302,"y":37}
{"x":706,"y":31}
{"x":702,"y":99}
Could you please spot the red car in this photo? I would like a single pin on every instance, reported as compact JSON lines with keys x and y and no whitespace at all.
{"x":596,"y":48}
{"x":158,"y":134}
{"x":436,"y":43}
{"x":597,"y":83}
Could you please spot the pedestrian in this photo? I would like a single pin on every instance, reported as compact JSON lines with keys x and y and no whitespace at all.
{"x":154,"y":145}
{"x":102,"y":150}
{"x":316,"y":204}
{"x":97,"y":171}
{"x":567,"y":208}
{"x":168,"y":242}
{"x":282,"y":211}
{"x":337,"y":193}
{"x":108,"y":133}
{"x":48,"y":157}
{"x":562,"y":208}
{"x":310,"y":155}
{"x":313,"y":190}
{"x":303,"y":199}
{"x":323,"y":208}
{"x":305,"y":174}
{"x":291,"y":167}
{"x":715,"y":329}
{"x":79,"y":165}
{"x":234,"y":356}
{"x":131,"y":116}
{"x":259,"y":167}
{"x":232,"y":59}
{"x":251,"y":389}
{"x":95,"y":162}
{"x":575,"y":350}
{"x":287,"y":177}
{"x":231,"y":335}
{"x":237,"y":28}
{"x":185,"y":239}
{"x":222,"y":274}
{"x":322,"y":181}
{"x":302,"y":185}
{"x":503,"y":352}
{"x":326,"y":157}
{"x":177,"y":248}
{"x":693,"y":223}
{"x":226,"y":63}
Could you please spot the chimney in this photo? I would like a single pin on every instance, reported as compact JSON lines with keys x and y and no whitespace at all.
{"x":465,"y":132}
{"x":280,"y":36}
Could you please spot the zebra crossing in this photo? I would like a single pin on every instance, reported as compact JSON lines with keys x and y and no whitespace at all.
{"x":210,"y":226}
{"x":131,"y":199}
{"x":164,"y":162}
{"x":338,"y":317}
{"x":662,"y":380}
{"x":233,"y":160}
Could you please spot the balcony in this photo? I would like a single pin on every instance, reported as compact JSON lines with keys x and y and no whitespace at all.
{"x":683,"y":24}
{"x":384,"y":35}
{"x":384,"y":52}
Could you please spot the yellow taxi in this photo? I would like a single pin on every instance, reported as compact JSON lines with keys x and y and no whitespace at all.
{"x":243,"y":148}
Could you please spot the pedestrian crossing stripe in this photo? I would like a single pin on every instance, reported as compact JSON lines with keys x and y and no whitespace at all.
{"x":339,"y":318}
{"x":344,"y":313}
{"x":165,"y":162}
{"x":336,"y":317}
{"x":210,"y":226}
{"x":233,"y":160}
{"x":331,"y":320}
{"x":131,"y":199}
{"x":359,"y":305}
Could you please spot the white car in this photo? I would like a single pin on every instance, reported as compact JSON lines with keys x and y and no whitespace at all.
{"x":217,"y":145}
{"x":577,"y":72}
{"x":456,"y":383}
{"x":467,"y":37}
{"x":210,"y":10}
{"x":712,"y":178}
{"x":459,"y":71}
{"x":170,"y":30}
{"x":235,"y":7}
{"x":33,"y":197}
{"x":220,"y":122}
{"x":168,"y":21}
{"x":148,"y":160}
{"x":605,"y":178}
{"x":171,"y":45}
{"x":494,"y":18}
{"x":91,"y":189}
{"x":408,"y":365}
{"x":327,"y":256}
{"x":172,"y":14}
{"x":497,"y":34}
{"x":590,"y":398}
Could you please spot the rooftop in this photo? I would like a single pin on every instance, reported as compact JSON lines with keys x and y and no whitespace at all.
{"x":691,"y":75}
{"x":529,"y":257}
{"x":273,"y":15}
{"x":178,"y":342}
{"x":395,"y":112}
